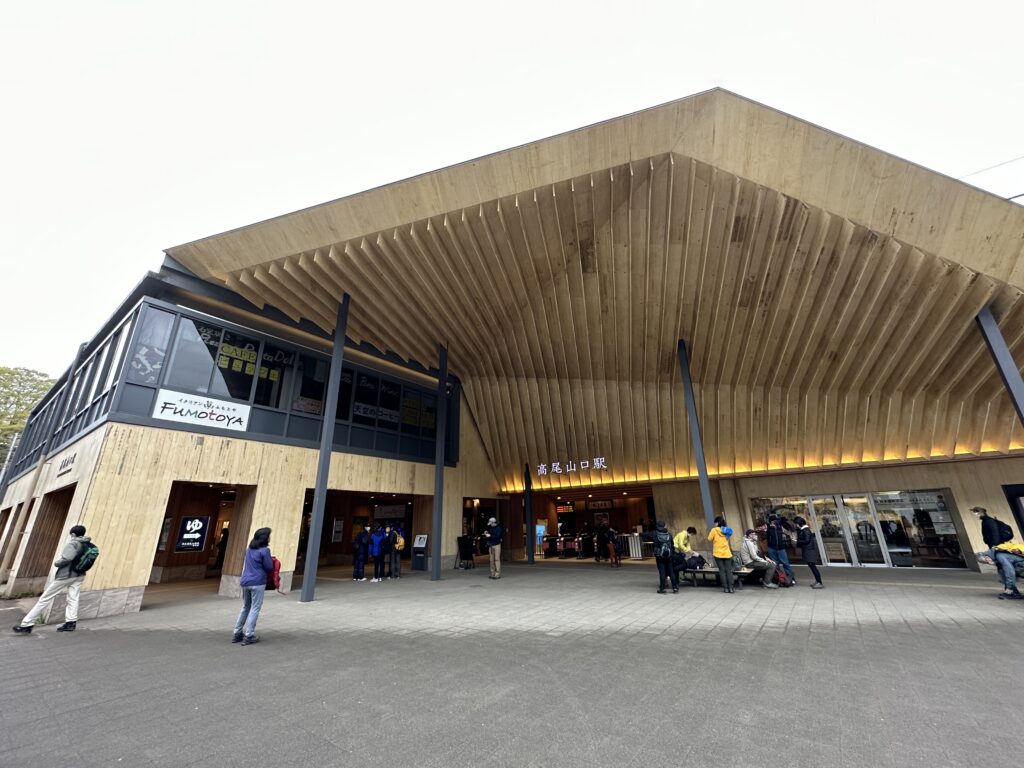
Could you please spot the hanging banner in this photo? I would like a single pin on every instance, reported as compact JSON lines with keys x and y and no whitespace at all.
{"x":200,"y":411}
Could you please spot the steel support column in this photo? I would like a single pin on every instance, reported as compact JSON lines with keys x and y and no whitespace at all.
{"x":441,"y":433}
{"x":323,"y":467}
{"x":531,"y":534}
{"x":698,"y":444}
{"x":1005,"y":363}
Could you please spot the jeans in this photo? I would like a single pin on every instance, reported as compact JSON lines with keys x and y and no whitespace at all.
{"x":396,"y":564}
{"x":665,"y":569}
{"x":1006,"y":561}
{"x":358,"y":565}
{"x":378,"y":566}
{"x":725,"y":572}
{"x":781,"y":557}
{"x":252,"y":602}
{"x":74,"y":587}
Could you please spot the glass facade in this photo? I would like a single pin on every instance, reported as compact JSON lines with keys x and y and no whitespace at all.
{"x":207,"y":363}
{"x":901,"y":529}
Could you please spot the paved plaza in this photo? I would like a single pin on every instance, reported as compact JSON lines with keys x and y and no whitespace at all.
{"x":560,"y":664}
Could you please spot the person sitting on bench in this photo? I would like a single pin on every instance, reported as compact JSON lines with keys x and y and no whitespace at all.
{"x":752,"y":558}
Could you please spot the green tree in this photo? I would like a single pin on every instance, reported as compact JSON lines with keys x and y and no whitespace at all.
{"x":20,"y":390}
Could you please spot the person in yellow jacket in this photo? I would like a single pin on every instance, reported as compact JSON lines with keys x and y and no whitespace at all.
{"x":1008,"y":556}
{"x":721,"y":550}
{"x":683,"y":542}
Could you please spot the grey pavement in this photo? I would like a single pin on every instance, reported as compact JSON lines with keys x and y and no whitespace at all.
{"x":562,"y":663}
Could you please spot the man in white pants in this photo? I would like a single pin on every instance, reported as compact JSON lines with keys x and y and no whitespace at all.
{"x":66,"y":579}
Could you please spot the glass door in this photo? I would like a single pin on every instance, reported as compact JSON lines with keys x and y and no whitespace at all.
{"x":833,"y":542}
{"x":862,"y":529}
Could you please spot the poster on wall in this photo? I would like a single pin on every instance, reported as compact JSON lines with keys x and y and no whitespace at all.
{"x":200,"y":411}
{"x":192,"y":534}
{"x":338,"y":530}
{"x":165,"y":534}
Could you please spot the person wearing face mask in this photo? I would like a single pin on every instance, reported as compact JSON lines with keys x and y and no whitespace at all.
{"x":751,"y":557}
{"x":809,"y":549}
{"x":776,"y":543}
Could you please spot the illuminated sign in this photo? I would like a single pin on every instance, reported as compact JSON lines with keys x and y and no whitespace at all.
{"x":557,"y":468}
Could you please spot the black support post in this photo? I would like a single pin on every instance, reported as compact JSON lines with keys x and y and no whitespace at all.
{"x":698,"y":444}
{"x":441,"y":435}
{"x":323,"y":467}
{"x":531,"y":534}
{"x":1005,"y":364}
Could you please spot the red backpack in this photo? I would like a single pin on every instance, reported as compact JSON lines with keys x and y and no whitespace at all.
{"x":274,"y":578}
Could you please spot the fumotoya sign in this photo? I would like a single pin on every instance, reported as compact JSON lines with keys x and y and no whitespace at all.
{"x":201,"y":411}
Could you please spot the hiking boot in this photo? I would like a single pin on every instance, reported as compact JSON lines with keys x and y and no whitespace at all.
{"x":67,"y":626}
{"x":23,"y":630}
{"x":250,"y":639}
{"x":237,"y":637}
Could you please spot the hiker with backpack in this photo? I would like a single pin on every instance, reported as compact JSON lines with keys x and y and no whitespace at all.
{"x":377,"y":553}
{"x":721,"y":550}
{"x":257,"y":565}
{"x":76,"y":558}
{"x":663,"y":550}
{"x":993,"y":530}
{"x":397,"y":545}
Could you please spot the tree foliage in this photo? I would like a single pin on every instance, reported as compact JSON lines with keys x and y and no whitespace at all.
{"x":20,"y":390}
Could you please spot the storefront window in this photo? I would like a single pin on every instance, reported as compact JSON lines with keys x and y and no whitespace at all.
{"x":309,"y":394}
{"x":364,"y":411}
{"x":411,"y":407}
{"x":428,"y":416}
{"x":236,"y":366}
{"x":275,"y":372}
{"x":147,"y":355}
{"x":195,"y":353}
{"x":345,"y":394}
{"x":389,"y":404}
{"x":918,"y":528}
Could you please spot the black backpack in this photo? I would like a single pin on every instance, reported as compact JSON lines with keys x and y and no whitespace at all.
{"x":86,"y":558}
{"x":1005,"y":531}
{"x":662,"y":544}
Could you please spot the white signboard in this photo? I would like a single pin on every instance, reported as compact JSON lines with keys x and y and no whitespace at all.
{"x":201,"y":411}
{"x":420,"y":541}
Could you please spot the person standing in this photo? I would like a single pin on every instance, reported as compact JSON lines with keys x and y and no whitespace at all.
{"x":377,"y":553}
{"x":989,"y":528}
{"x":663,"y":550}
{"x":494,"y":535}
{"x":256,"y":567}
{"x":386,"y":548}
{"x":360,"y":546}
{"x":721,"y":550}
{"x":395,"y":565}
{"x":751,"y":558}
{"x":775,"y":536}
{"x":66,"y":578}
{"x":612,"y":544}
{"x":809,"y":550}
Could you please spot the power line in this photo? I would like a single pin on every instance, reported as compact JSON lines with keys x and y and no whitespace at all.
{"x":997,"y":165}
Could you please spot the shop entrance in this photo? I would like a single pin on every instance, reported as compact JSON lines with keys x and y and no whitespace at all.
{"x":900,"y":529}
{"x":48,"y":530}
{"x":195,"y":533}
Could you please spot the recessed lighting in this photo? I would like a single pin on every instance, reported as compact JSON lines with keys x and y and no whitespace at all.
{"x":590,"y":495}
{"x":623,"y":493}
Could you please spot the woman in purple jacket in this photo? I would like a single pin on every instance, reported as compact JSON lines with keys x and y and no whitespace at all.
{"x":257,"y":566}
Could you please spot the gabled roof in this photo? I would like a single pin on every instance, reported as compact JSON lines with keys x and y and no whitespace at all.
{"x":827,"y":291}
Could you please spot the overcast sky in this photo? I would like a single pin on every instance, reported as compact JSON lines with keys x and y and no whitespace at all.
{"x":130,"y":127}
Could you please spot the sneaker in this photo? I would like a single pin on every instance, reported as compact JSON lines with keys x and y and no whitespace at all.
{"x":23,"y":630}
{"x":237,"y":637}
{"x":675,"y":590}
{"x":250,"y":639}
{"x":67,"y":626}
{"x":362,"y":579}
{"x":1011,"y":596}
{"x":661,"y":591}
{"x":769,"y":585}
{"x":817,"y":585}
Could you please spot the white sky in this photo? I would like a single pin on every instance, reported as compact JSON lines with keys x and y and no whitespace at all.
{"x":129,"y":127}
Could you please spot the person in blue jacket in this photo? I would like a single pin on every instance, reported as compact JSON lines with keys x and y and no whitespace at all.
{"x":257,"y":565}
{"x":377,"y":553}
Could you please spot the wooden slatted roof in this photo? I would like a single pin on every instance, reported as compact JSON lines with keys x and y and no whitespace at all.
{"x":827,"y":293}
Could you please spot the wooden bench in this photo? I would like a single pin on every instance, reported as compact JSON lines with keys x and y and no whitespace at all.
{"x":691,"y":574}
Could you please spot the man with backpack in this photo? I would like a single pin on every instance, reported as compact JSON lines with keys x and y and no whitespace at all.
{"x":663,"y":549}
{"x":75,"y":560}
{"x":993,"y":530}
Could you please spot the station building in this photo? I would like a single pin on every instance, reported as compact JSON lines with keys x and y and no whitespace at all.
{"x":707,"y":307}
